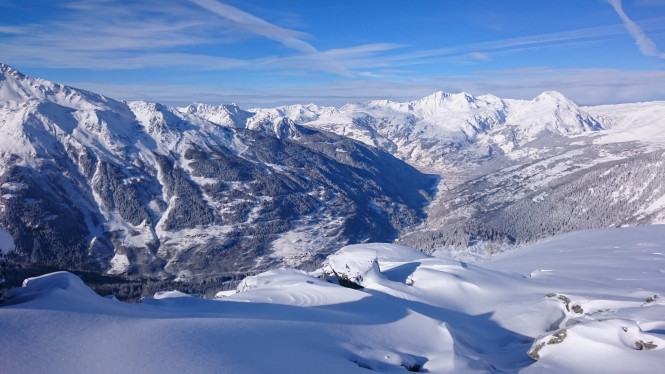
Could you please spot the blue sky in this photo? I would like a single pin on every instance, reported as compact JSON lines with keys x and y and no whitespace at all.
{"x":268,"y":53}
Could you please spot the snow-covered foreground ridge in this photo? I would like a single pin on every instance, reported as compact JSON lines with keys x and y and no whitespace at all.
{"x":587,"y":302}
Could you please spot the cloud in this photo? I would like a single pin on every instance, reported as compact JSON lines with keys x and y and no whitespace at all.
{"x":289,"y":38}
{"x":311,"y":57}
{"x":202,"y":34}
{"x":479,"y":56}
{"x":644,"y":43}
{"x":150,"y":33}
{"x":105,"y":26}
{"x":583,"y":86}
{"x":12,"y":30}
{"x":472,"y":53}
{"x":198,"y":38}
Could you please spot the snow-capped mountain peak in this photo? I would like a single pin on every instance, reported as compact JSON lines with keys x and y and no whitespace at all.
{"x":551,"y":95}
{"x":441,"y":97}
{"x":15,"y":86}
{"x":550,"y":111}
{"x":229,"y":115}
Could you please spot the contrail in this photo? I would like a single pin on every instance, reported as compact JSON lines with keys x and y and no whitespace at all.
{"x":644,"y":43}
{"x":289,"y":38}
{"x":251,"y":23}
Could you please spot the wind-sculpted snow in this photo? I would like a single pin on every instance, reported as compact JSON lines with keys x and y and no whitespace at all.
{"x":585,"y":302}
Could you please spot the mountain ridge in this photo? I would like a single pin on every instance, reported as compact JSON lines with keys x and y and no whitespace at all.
{"x":141,"y":189}
{"x":449,"y":122}
{"x":148,"y":189}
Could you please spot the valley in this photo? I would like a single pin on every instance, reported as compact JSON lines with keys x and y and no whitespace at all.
{"x":145,"y":191}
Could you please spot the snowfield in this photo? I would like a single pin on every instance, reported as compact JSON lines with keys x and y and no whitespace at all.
{"x":584,"y":302}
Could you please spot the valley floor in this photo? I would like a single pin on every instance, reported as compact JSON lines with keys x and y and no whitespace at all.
{"x":584,"y":302}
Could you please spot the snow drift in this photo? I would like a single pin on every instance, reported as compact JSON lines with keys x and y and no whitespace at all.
{"x":585,"y":302}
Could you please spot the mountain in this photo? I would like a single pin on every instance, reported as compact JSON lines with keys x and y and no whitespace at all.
{"x":135,"y":188}
{"x":425,"y":131}
{"x":141,"y":189}
{"x":512,"y":171}
{"x":642,"y":122}
{"x":584,"y":302}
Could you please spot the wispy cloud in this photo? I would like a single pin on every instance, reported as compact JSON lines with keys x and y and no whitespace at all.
{"x":479,"y":56}
{"x":472,"y":52}
{"x":200,"y":35}
{"x":311,"y":57}
{"x":153,"y":33}
{"x":102,"y":29}
{"x":289,"y":38}
{"x":584,"y":86}
{"x":644,"y":43}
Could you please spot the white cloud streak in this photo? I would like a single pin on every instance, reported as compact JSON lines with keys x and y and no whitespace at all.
{"x":193,"y":35}
{"x":289,"y":38}
{"x":311,"y":57}
{"x":643,"y":42}
{"x":583,"y":86}
{"x":151,"y":33}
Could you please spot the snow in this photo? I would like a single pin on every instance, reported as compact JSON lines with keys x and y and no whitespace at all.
{"x":586,"y":302}
{"x":632,"y":122}
{"x":170,"y":294}
{"x":6,"y":242}
{"x":656,"y":207}
{"x":119,"y":264}
{"x":591,"y":301}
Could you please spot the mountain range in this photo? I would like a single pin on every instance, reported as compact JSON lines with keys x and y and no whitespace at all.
{"x":142,"y":189}
{"x":199,"y":192}
{"x":512,"y":171}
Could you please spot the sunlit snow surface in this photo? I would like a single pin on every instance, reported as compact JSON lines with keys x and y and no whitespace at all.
{"x":585,"y":302}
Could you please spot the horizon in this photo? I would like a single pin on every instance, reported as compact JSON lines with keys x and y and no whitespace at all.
{"x":369,"y":100}
{"x":264,"y":54}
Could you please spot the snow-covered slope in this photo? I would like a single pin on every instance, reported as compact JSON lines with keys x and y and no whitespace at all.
{"x":422,"y":131}
{"x":585,"y":302}
{"x":142,"y":189}
{"x":643,"y":122}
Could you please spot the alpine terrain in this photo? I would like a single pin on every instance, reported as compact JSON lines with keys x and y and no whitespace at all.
{"x":584,"y":302}
{"x":209,"y":193}
{"x":135,"y":188}
{"x":323,"y":237}
{"x":512,"y":171}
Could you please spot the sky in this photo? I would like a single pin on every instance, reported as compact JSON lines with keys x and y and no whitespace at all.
{"x":265,"y":53}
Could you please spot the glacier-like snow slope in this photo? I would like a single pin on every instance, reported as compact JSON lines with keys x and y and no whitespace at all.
{"x":584,"y":302}
{"x":642,"y":122}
